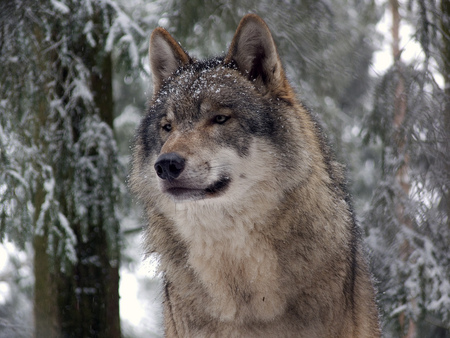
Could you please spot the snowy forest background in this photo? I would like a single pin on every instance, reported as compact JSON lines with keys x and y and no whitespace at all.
{"x":74,"y":81}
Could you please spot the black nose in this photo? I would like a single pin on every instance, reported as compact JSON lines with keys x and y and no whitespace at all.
{"x":169,"y":166}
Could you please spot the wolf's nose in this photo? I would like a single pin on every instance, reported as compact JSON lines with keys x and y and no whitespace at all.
{"x":169,"y":166}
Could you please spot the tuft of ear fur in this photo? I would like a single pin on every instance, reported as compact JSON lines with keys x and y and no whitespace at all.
{"x":166,"y":56}
{"x":255,"y":54}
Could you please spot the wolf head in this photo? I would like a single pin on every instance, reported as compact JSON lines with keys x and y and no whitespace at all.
{"x":222,"y":128}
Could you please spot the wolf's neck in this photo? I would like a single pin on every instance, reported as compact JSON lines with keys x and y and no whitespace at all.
{"x":227,"y":250}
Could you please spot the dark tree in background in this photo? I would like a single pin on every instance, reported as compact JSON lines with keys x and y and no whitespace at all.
{"x":61,"y":182}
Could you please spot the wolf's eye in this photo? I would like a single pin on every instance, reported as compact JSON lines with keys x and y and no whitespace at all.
{"x":167,"y":127}
{"x":221,"y":119}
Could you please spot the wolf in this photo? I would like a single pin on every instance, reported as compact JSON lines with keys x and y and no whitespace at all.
{"x":246,"y":206}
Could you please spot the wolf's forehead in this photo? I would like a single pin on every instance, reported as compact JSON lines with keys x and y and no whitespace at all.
{"x":206,"y":82}
{"x":195,"y":92}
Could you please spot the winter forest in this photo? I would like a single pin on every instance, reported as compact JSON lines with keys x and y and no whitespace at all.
{"x":75,"y":80}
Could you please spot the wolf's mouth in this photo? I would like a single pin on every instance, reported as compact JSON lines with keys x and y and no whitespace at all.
{"x":183,"y":193}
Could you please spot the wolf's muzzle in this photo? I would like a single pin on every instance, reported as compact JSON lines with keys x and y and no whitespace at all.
{"x":169,"y":166}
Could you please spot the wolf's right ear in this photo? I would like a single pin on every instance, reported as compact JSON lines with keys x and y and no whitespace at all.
{"x":166,"y":56}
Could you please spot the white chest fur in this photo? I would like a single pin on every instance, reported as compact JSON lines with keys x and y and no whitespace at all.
{"x":232,"y":258}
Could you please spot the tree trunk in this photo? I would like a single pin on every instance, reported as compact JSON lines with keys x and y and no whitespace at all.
{"x":45,"y":305}
{"x":46,"y":319}
{"x":103,"y":97}
{"x":402,"y":174}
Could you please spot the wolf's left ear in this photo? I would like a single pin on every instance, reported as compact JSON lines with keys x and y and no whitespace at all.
{"x":255,"y":54}
{"x":166,"y":56}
